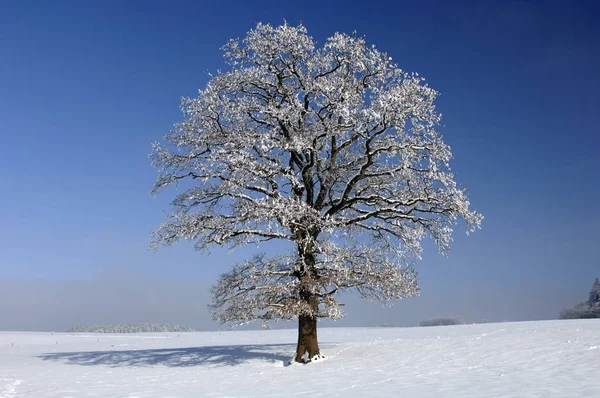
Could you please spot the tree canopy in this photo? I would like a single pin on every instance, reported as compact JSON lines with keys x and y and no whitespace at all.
{"x":334,"y":149}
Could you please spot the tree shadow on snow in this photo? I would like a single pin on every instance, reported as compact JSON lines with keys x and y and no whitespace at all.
{"x":178,"y":357}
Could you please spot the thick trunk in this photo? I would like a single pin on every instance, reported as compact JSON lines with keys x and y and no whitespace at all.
{"x":308,"y":346}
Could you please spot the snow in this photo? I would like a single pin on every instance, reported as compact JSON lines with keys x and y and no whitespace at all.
{"x":527,"y":359}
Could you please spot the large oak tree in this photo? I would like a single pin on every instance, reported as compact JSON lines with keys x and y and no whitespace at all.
{"x":332,"y":148}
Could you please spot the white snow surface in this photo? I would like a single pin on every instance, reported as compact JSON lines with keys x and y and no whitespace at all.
{"x":526,"y":359}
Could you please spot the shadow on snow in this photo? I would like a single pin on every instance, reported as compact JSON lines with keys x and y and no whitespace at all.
{"x":178,"y":357}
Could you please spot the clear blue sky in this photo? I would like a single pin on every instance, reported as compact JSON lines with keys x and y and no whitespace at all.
{"x":86,"y":86}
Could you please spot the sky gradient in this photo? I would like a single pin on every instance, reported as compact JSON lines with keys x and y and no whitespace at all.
{"x":86,"y":87}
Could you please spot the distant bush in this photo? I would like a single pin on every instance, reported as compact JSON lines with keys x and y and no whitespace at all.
{"x":442,"y":321}
{"x":581,"y":311}
{"x":130,"y":328}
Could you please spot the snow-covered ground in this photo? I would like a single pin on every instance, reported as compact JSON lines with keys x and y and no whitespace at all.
{"x":528,"y":359}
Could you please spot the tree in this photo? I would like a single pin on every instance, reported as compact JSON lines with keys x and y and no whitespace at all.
{"x":332,"y":149}
{"x":595,"y":292}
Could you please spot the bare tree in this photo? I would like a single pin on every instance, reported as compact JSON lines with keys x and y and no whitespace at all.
{"x":333,"y":149}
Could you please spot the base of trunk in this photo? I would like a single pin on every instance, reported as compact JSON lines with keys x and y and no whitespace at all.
{"x":307,"y":349}
{"x":305,"y":360}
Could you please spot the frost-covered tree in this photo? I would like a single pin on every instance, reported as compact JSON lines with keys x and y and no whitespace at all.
{"x":333,"y":149}
{"x":595,"y":292}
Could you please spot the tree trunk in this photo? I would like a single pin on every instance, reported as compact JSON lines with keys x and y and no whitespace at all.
{"x":307,"y":322}
{"x":307,"y":336}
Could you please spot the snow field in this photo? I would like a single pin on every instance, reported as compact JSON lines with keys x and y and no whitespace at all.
{"x":528,"y":359}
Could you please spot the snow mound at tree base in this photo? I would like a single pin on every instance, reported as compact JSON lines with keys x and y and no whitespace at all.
{"x":306,"y":360}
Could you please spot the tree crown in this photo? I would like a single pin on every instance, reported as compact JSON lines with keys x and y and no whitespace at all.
{"x":332,"y":148}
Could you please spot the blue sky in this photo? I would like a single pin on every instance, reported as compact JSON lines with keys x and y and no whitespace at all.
{"x":86,"y":87}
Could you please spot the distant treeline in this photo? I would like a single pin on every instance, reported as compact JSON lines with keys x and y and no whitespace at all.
{"x":587,"y":309}
{"x":443,"y":321}
{"x":130,"y":328}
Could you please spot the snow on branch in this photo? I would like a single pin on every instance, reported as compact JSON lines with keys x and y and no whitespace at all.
{"x":318,"y":146}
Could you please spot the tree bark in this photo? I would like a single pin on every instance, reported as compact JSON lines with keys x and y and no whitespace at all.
{"x":307,"y":321}
{"x":307,"y":335}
